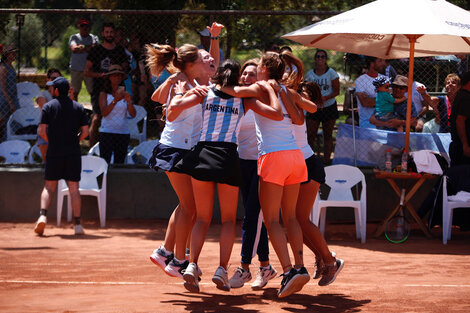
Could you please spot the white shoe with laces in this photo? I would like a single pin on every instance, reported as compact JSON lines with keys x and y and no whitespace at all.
{"x":263,"y":276}
{"x":191,"y":277}
{"x":239,"y":278}
{"x":220,"y":279}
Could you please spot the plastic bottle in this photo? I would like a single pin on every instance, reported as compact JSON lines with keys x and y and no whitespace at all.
{"x":388,"y":161}
{"x":404,"y":162}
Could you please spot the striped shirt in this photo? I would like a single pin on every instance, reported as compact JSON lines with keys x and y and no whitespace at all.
{"x":221,"y":115}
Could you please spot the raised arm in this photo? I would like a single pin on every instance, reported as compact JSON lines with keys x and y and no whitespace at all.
{"x":215,"y":36}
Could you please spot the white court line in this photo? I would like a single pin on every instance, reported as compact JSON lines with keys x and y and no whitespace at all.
{"x":55,"y":282}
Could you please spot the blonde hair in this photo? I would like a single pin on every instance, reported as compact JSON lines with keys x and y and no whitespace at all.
{"x":276,"y":65}
{"x":159,"y":57}
{"x":452,"y":76}
{"x":294,"y":78}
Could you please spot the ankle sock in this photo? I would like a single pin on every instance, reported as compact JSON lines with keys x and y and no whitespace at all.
{"x":43,"y":212}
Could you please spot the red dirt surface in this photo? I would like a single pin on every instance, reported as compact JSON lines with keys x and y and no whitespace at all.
{"x":108,"y":270}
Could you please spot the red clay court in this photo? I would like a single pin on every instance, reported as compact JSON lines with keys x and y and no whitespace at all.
{"x":108,"y":270}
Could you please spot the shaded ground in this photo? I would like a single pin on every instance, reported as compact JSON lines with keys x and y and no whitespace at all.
{"x":108,"y":270}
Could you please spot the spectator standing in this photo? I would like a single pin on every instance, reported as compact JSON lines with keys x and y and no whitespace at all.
{"x":115,"y":105}
{"x":80,"y":44}
{"x":99,"y":59}
{"x":459,"y":149}
{"x":8,"y":93}
{"x":205,"y":37}
{"x":365,"y":90}
{"x":328,"y":81}
{"x":63,"y":125}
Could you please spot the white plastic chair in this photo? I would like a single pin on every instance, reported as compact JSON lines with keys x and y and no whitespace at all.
{"x":24,"y":117}
{"x":341,"y":178}
{"x":141,"y":114}
{"x":34,"y":151}
{"x":27,"y":91}
{"x":92,"y":167}
{"x":144,"y":149}
{"x":448,"y":206}
{"x":14,"y":151}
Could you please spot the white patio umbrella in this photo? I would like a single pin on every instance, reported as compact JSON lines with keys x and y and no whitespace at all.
{"x":392,"y":29}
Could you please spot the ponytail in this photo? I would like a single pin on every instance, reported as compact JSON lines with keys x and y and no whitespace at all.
{"x":160,"y":57}
{"x":296,"y":76}
{"x":227,"y":74}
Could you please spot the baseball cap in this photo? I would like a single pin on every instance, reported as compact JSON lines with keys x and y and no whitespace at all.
{"x":60,"y":83}
{"x":205,"y":32}
{"x":83,"y":21}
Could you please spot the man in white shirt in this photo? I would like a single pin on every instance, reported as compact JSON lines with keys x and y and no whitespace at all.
{"x":365,"y":90}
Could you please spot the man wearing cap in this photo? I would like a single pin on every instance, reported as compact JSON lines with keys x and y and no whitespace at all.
{"x":8,"y":92}
{"x":63,"y":125}
{"x":205,"y":37}
{"x":399,"y":89}
{"x":459,"y":149}
{"x":365,"y":90}
{"x":100,"y":58}
{"x":80,"y":44}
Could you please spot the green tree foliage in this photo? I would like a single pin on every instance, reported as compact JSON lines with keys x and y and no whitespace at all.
{"x":31,"y":34}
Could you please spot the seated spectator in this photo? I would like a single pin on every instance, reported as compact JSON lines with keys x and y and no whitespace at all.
{"x":459,"y":149}
{"x":384,"y":102}
{"x":399,"y":88}
{"x":365,"y":91}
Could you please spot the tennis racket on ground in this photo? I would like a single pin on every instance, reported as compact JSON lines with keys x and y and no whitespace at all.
{"x":398,"y":228}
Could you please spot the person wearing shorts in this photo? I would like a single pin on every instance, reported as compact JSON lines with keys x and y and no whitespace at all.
{"x":63,"y":125}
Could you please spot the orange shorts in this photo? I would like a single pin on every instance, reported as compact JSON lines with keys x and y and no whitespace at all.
{"x":283,"y":167}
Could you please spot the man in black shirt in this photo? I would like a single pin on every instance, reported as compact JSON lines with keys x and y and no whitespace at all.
{"x":63,"y":125}
{"x":459,"y":149}
{"x":99,"y":59}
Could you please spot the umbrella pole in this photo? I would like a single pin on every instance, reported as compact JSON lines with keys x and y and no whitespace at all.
{"x":412,"y":39}
{"x":353,"y":128}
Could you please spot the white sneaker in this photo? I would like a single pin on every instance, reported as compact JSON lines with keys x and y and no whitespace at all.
{"x":191,"y":278}
{"x":79,"y":229}
{"x":160,"y":258}
{"x":239,"y":278}
{"x":40,"y":225}
{"x":263,"y":276}
{"x":221,"y":279}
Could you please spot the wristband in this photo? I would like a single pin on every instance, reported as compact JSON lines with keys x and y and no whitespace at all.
{"x":215,"y":38}
{"x":178,"y":94}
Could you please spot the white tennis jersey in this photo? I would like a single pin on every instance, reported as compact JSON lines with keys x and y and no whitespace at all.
{"x":300,"y":134}
{"x":275,"y":135}
{"x":221,"y":115}
{"x":247,"y":143}
{"x":183,"y":132}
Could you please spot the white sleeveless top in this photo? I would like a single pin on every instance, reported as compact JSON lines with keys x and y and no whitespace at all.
{"x":273,"y":135}
{"x":247,"y":144}
{"x":183,"y":132}
{"x":300,"y":134}
{"x":116,"y":121}
{"x":221,"y":115}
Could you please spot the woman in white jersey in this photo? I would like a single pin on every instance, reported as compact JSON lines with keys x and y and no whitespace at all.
{"x":178,"y":137}
{"x":254,"y":233}
{"x":281,"y":168}
{"x":214,"y":162}
{"x":308,"y":95}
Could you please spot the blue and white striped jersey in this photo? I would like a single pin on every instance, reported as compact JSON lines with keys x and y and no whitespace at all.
{"x":221,"y":115}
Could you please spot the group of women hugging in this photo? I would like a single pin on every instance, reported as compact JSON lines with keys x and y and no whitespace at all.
{"x":230,"y":126}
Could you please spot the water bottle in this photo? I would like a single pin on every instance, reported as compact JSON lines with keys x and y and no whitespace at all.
{"x":404,"y":162}
{"x":388,"y":161}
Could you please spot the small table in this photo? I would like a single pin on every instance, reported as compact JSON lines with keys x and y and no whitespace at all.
{"x":419,"y":180}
